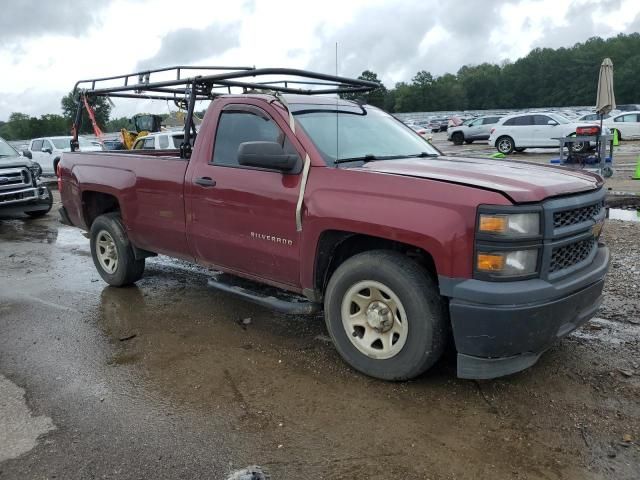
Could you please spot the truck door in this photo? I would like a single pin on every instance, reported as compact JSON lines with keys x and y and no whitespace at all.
{"x":241,"y":218}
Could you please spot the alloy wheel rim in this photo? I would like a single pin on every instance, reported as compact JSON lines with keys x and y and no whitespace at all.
{"x":107,"y":252}
{"x":374,"y":319}
{"x":504,"y":146}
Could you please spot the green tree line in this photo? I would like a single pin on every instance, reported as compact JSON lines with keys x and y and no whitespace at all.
{"x":545,"y":77}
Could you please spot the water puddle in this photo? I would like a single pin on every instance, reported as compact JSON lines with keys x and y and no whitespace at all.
{"x":623,"y":214}
{"x":608,"y":331}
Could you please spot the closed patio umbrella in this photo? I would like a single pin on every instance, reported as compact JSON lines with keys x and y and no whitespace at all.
{"x":606,"y":100}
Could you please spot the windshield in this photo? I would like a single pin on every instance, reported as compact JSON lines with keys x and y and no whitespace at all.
{"x":559,"y":118}
{"x":7,"y":150}
{"x":355,"y":132}
{"x":83,"y":142}
{"x":61,"y":143}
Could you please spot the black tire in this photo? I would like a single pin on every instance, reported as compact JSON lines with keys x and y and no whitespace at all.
{"x":425,"y":311}
{"x":468,"y":142}
{"x":43,"y":212}
{"x":505,"y":144}
{"x":577,"y":147}
{"x":520,"y":149}
{"x":127,"y":269}
{"x":55,"y":166}
{"x":457,"y":138}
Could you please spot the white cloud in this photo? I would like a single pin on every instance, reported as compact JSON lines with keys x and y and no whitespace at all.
{"x":394,"y":38}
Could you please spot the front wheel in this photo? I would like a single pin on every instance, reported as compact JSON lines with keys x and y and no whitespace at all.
{"x":457,"y":138}
{"x":112,"y":252}
{"x":505,"y":145}
{"x":385,"y":315}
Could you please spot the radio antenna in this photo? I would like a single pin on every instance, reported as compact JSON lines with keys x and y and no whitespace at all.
{"x":337,"y":100}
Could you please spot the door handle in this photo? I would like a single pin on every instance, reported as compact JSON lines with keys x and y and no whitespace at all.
{"x":205,"y":182}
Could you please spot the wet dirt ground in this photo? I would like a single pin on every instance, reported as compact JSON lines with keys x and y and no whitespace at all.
{"x":169,"y":379}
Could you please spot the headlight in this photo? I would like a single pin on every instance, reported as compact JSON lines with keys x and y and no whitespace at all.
{"x":513,"y":263}
{"x":510,"y":224}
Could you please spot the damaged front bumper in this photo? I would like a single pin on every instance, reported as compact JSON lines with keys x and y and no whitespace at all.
{"x":32,"y":199}
{"x":501,"y":328}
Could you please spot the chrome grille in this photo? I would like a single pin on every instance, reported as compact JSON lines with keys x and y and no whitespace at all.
{"x":574,"y":216}
{"x":571,"y":254}
{"x":14,"y":179}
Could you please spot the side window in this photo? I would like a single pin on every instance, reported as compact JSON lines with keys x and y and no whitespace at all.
{"x":139,"y":144}
{"x":177,"y":140}
{"x":236,"y":127}
{"x":627,"y":118}
{"x":163,"y":142}
{"x":524,"y":120}
{"x":490,"y":120}
{"x":149,"y":143}
{"x":47,"y":144}
{"x":510,"y":122}
{"x":36,"y":146}
{"x":541,"y":119}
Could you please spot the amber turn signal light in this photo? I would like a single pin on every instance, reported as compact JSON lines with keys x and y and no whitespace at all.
{"x":490,"y":262}
{"x":493,"y":224}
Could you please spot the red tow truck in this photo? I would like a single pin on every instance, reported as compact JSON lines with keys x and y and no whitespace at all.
{"x":336,"y":205}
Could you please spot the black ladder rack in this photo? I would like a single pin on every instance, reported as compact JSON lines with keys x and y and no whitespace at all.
{"x":205,"y":85}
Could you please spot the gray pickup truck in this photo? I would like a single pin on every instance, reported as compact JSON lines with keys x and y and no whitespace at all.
{"x":20,"y":188}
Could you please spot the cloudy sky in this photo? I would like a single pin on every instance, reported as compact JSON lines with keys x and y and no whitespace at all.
{"x":46,"y":45}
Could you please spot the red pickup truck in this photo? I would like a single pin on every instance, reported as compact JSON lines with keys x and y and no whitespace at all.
{"x":345,"y":208}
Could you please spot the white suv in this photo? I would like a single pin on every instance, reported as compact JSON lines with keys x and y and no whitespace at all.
{"x":48,"y":150}
{"x":160,"y":141}
{"x":534,"y":130}
{"x":472,"y":129}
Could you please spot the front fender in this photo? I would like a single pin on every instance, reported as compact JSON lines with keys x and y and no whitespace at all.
{"x":435,"y":216}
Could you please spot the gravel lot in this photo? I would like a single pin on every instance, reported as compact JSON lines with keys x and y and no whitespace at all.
{"x":169,"y":379}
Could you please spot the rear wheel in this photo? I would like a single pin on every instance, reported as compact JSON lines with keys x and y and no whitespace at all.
{"x":505,"y":145}
{"x":112,"y":252}
{"x":457,"y":138}
{"x":385,"y":315}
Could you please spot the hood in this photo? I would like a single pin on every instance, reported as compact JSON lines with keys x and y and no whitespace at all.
{"x":15,"y":162}
{"x":521,"y":182}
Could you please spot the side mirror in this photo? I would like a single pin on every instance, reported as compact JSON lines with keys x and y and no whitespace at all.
{"x":266,"y":155}
{"x":47,"y":150}
{"x":27,"y":153}
{"x":553,"y":123}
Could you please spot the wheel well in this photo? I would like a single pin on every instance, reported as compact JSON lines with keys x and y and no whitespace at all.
{"x":95,"y":204}
{"x":334,"y":247}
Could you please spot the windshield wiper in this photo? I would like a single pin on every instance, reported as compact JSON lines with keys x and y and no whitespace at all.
{"x":370,"y":157}
{"x":365,"y":158}
{"x":421,"y":155}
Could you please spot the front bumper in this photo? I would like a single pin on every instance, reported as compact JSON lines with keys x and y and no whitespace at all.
{"x":501,"y":328}
{"x":31,"y":199}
